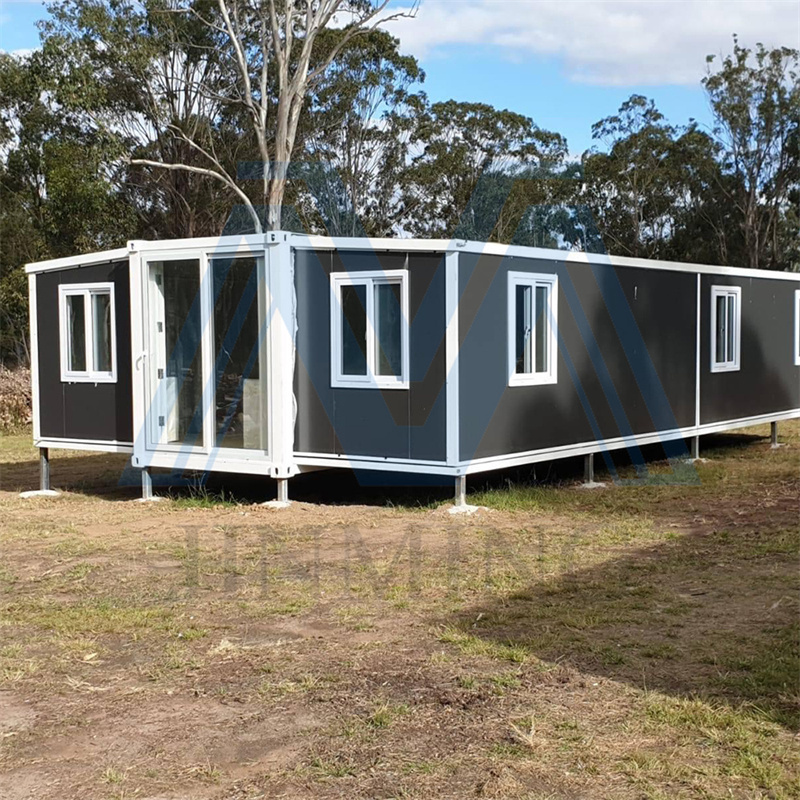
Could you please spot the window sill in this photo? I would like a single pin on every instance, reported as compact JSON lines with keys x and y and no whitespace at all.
{"x":369,"y":384}
{"x":725,"y":368}
{"x":526,"y":380}
{"x":89,"y":378}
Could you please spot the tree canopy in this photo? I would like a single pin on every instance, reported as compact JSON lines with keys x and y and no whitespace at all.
{"x":196,"y":117}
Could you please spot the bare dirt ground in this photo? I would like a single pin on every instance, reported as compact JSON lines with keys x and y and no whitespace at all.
{"x":638,"y":641}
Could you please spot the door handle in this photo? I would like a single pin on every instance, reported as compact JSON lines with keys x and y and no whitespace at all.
{"x":142,"y":356}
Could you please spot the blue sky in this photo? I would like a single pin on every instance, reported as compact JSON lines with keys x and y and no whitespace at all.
{"x":565,"y":63}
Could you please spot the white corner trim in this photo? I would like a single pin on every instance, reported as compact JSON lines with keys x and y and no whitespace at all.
{"x":34,"y":342}
{"x":698,"y":353}
{"x":86,"y":290}
{"x":451,"y":346}
{"x":533,"y":280}
{"x":371,"y":380}
{"x":731,"y":364}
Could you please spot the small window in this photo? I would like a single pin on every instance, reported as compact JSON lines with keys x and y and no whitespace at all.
{"x":797,"y":328}
{"x":369,"y":330}
{"x":532,"y":329}
{"x":726,"y":316}
{"x":88,"y":334}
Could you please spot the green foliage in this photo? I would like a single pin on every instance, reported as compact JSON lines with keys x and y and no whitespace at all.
{"x":116,"y":81}
{"x":755,"y":97}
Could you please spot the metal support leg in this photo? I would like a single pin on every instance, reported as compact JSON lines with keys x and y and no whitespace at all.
{"x":461,"y":490}
{"x":147,"y":484}
{"x":773,"y":429}
{"x":44,"y":469}
{"x":283,"y":490}
{"x":588,"y":468}
{"x":695,"y":448}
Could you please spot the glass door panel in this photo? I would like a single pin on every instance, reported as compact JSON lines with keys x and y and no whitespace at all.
{"x":240,"y":414}
{"x":176,"y":371}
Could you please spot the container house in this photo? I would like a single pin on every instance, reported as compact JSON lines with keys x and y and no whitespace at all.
{"x":280,"y":353}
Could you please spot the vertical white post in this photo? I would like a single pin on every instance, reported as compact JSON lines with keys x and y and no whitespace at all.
{"x":773,"y":430}
{"x":451,"y":357}
{"x":280,"y":337}
{"x":695,"y":448}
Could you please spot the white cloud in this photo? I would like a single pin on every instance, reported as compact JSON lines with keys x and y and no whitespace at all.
{"x":603,"y":42}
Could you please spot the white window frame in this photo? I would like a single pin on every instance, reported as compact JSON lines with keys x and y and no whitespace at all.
{"x":732,"y":364}
{"x":90,"y":374}
{"x":371,"y":380}
{"x":533,"y":279}
{"x":797,"y":327}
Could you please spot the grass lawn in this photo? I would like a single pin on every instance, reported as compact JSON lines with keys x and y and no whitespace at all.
{"x":636,"y":641}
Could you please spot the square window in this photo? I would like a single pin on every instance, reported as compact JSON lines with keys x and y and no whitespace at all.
{"x":369,"y":329}
{"x":87,"y":330}
{"x":726,"y":317}
{"x":532,"y":328}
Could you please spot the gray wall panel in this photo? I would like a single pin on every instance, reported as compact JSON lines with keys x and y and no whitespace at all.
{"x":767,"y":381}
{"x":102,"y":411}
{"x":626,"y":362}
{"x":369,"y":422}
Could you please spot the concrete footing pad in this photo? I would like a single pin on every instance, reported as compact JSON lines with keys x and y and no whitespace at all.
{"x":277,"y":503}
{"x":40,"y":493}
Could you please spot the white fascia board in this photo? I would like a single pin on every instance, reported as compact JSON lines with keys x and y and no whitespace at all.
{"x":88,"y":259}
{"x":250,"y":241}
{"x":640,"y":440}
{"x":518,"y":251}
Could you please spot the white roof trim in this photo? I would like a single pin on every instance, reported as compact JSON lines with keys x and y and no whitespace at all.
{"x":247,"y":241}
{"x":78,"y":261}
{"x":518,"y":251}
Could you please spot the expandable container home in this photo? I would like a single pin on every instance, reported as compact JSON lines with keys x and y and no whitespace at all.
{"x":279,"y":353}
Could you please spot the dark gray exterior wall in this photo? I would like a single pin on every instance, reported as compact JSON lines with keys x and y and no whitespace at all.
{"x":393,"y":423}
{"x":768,"y":380}
{"x":94,"y":412}
{"x":626,"y":361}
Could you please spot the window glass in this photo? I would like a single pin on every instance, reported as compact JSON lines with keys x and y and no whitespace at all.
{"x":101,"y":331}
{"x":354,"y":329}
{"x":731,"y":327}
{"x":722,"y":322}
{"x":532,"y":329}
{"x":389,"y":320}
{"x":524,"y":330}
{"x":239,"y":411}
{"x":542,"y":329}
{"x":77,"y":332}
{"x":176,"y":345}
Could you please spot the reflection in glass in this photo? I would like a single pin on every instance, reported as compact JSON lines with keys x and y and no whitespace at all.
{"x":239,"y":405}
{"x":389,"y":319}
{"x":77,"y":332}
{"x":101,"y":331}
{"x":177,"y":358}
{"x":354,"y":329}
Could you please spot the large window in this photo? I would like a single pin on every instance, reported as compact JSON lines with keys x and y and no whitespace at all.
{"x":88,"y":333}
{"x":532,"y":316}
{"x":726,"y":317}
{"x":369,"y":329}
